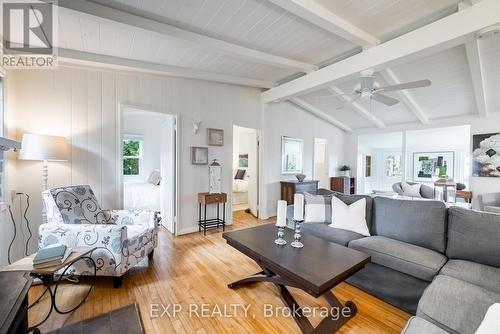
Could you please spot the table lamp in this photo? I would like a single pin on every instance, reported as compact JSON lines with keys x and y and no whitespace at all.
{"x":44,"y":148}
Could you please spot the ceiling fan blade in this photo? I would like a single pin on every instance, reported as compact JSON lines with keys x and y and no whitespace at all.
{"x":406,"y":85}
{"x":345,"y":105}
{"x":387,"y":100}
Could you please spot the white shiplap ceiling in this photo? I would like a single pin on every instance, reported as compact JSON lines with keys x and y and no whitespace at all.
{"x":268,"y":28}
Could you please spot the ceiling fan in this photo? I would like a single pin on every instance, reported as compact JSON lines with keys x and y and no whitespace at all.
{"x":368,"y":88}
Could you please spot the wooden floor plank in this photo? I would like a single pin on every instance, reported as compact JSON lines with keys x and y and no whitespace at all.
{"x":194,"y":269}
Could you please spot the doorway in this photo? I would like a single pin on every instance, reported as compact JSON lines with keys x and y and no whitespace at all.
{"x":245,"y":183}
{"x":321,"y":163}
{"x":148,"y":162}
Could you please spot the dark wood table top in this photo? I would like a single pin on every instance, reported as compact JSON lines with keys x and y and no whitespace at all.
{"x":316,"y":268}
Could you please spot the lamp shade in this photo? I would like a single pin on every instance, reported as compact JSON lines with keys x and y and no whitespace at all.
{"x":42,"y":147}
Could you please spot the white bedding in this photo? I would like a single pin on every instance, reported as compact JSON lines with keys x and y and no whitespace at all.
{"x":141,"y":195}
{"x":240,"y":186}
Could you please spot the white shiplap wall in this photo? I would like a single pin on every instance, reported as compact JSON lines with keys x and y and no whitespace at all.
{"x":82,"y":104}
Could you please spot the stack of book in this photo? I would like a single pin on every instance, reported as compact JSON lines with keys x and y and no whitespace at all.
{"x":52,"y":255}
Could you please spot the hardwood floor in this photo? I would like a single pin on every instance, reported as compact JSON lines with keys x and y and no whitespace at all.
{"x":194,"y":269}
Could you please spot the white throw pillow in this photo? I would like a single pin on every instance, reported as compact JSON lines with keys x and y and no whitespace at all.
{"x":411,"y":190}
{"x":350,"y":217}
{"x":491,"y":321}
{"x":155,"y":177}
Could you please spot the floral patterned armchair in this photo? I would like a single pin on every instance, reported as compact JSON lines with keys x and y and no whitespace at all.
{"x":123,"y":238}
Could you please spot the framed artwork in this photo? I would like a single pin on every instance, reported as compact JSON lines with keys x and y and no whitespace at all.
{"x":486,"y":155}
{"x":291,"y":155}
{"x":368,"y":166}
{"x":199,"y":155}
{"x":393,"y":165}
{"x":429,"y":166}
{"x":215,"y":137}
{"x":243,"y":160}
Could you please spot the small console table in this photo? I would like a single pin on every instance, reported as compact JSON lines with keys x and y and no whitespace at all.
{"x":205,"y":199}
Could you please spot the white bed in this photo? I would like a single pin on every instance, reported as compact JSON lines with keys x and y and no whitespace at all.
{"x":240,"y":192}
{"x":141,"y":195}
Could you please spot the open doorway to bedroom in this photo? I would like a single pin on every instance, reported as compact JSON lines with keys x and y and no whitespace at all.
{"x":148,"y":162}
{"x":245,"y":187}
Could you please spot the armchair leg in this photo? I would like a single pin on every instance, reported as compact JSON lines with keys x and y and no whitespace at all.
{"x":117,"y":282}
{"x":150,"y":255}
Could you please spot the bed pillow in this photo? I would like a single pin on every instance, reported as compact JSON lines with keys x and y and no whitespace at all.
{"x":240,"y":174}
{"x":350,"y":217}
{"x":411,"y":190}
{"x":318,"y":208}
{"x":155,"y":177}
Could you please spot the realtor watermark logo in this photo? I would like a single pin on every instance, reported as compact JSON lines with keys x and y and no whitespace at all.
{"x":28,"y":34}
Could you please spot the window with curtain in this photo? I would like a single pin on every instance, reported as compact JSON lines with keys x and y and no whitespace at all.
{"x":132,"y":155}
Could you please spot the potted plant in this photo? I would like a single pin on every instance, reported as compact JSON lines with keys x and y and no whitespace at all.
{"x":345,"y":170}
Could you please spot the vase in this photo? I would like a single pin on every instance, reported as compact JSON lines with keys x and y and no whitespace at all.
{"x":300,"y":177}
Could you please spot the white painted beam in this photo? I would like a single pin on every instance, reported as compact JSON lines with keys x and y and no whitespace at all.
{"x":319,"y":113}
{"x":92,"y":59}
{"x":98,"y":11}
{"x":477,"y":75}
{"x":405,"y":96}
{"x":473,"y":54}
{"x":357,"y":107}
{"x":440,"y":35}
{"x":323,"y":18}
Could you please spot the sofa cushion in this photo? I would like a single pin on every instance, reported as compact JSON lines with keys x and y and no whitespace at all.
{"x":455,"y":305}
{"x":473,"y":236}
{"x":336,"y":235}
{"x":418,"y":325}
{"x":413,"y":260}
{"x":479,"y":274}
{"x":422,"y":223}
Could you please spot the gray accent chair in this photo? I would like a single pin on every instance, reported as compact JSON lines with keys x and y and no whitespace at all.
{"x":489,"y":202}
{"x":425,"y":191}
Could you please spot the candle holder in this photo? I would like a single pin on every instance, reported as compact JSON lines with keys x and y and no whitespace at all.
{"x":297,"y":236}
{"x":281,"y":233}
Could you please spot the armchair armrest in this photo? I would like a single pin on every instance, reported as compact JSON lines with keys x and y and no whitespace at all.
{"x":138,"y":217}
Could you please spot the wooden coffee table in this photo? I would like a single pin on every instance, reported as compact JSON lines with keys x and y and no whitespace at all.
{"x":315,"y":269}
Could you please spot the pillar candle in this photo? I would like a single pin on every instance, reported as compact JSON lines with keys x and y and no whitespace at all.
{"x":298,"y":207}
{"x":281,"y":219}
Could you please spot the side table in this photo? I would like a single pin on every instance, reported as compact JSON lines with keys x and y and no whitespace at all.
{"x":49,"y":276}
{"x":205,"y":199}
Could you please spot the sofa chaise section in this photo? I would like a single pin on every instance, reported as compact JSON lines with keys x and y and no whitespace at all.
{"x":412,"y":260}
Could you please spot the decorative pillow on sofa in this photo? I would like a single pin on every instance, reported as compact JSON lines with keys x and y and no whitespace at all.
{"x":155,"y":177}
{"x":411,"y":190}
{"x":350,"y":217}
{"x":318,"y":208}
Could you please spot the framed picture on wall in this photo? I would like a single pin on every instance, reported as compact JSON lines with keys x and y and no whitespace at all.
{"x":486,"y":155}
{"x":291,"y":155}
{"x":243,"y":160}
{"x":199,"y":155}
{"x":215,"y":137}
{"x":429,"y":166}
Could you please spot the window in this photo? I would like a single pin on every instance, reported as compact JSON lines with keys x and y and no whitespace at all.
{"x":132,"y":155}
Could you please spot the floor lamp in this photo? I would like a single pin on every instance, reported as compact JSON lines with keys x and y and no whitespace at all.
{"x":44,"y":148}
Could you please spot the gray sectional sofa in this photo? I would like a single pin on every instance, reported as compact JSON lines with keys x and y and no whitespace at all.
{"x":442,"y":265}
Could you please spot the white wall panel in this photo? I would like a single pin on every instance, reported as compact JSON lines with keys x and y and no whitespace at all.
{"x":82,"y":104}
